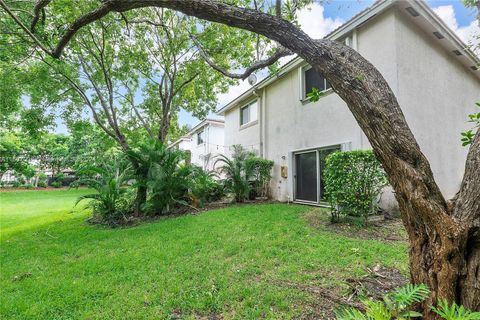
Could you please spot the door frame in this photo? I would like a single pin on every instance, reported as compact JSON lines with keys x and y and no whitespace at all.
{"x":317,"y":164}
{"x":340,"y":146}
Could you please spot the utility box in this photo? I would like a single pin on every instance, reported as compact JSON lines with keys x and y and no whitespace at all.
{"x":284,"y":172}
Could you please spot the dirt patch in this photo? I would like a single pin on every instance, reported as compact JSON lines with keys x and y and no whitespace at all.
{"x":375,"y":284}
{"x":324,"y":300}
{"x":387,"y":230}
{"x":378,"y":282}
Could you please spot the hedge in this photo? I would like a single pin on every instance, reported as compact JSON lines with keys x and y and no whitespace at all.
{"x":353,"y":181}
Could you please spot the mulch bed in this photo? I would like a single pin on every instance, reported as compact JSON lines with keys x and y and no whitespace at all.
{"x":383,"y":229}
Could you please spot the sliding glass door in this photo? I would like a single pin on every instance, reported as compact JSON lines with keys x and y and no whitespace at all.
{"x":306,"y":176}
{"x":309,"y":166}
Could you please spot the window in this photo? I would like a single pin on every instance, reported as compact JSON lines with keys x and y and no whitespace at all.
{"x":200,"y":137}
{"x":248,"y":113}
{"x":312,"y":79}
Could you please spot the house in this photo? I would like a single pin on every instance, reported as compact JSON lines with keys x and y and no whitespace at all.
{"x":434,"y":76}
{"x":204,"y":142}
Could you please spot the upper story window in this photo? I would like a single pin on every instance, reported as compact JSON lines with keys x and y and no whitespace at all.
{"x":312,"y":79}
{"x":200,"y":137}
{"x":248,"y":113}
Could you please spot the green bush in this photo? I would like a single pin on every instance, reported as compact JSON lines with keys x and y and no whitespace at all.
{"x":353,"y":181}
{"x":42,"y":180}
{"x":28,"y":186}
{"x":16,"y":184}
{"x":59,"y":177}
{"x":56,"y":184}
{"x":204,"y":188}
{"x":42,"y":184}
{"x":398,"y":305}
{"x":111,"y":203}
{"x":20,"y":180}
{"x":238,"y":174}
{"x":167,"y":177}
{"x":262,"y":174}
{"x":246,"y":175}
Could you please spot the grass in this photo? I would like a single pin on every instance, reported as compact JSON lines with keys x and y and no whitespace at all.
{"x":229,"y":262}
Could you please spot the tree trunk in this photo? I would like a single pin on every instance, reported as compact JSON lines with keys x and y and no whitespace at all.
{"x":163,"y":130}
{"x":140,"y":200}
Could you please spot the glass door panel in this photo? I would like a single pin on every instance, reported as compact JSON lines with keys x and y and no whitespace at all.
{"x":306,"y":176}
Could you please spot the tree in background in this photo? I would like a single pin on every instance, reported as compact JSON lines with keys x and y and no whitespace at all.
{"x":12,"y":153}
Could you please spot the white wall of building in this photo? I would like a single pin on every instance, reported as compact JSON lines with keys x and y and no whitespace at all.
{"x":436,"y":93}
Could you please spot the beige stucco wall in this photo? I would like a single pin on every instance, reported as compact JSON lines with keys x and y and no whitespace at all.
{"x":247,"y":136}
{"x":435,"y":92}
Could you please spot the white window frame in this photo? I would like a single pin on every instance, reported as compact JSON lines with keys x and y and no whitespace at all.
{"x":250,"y":121}
{"x":303,"y":94}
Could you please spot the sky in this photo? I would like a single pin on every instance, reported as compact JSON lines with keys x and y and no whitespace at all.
{"x":318,"y":20}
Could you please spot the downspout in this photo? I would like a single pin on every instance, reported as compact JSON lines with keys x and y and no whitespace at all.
{"x":260,"y":115}
{"x":263,"y":123}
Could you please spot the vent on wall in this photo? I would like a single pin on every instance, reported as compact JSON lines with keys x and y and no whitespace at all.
{"x":438,"y":35}
{"x":458,"y":53}
{"x":412,"y":12}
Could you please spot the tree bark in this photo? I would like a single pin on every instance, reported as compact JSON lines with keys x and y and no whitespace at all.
{"x":444,"y":237}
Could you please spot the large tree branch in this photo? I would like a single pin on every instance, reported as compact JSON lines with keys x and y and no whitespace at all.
{"x":37,"y":10}
{"x":261,"y":64}
{"x":25,"y":29}
{"x":185,"y":83}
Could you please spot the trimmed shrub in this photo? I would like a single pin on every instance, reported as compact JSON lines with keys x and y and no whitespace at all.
{"x":353,"y":181}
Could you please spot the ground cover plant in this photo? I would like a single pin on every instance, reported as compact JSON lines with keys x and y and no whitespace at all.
{"x":240,"y":262}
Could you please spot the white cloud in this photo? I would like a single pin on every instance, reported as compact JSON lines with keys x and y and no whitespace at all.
{"x":314,"y":23}
{"x":469,"y":34}
{"x":447,"y":14}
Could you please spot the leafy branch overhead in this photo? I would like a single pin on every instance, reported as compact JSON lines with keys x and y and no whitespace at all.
{"x":467,"y":136}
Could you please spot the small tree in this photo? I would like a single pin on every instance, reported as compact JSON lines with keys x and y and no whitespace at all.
{"x":353,"y":181}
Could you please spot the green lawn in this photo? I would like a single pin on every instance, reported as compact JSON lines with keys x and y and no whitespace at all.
{"x":229,"y":263}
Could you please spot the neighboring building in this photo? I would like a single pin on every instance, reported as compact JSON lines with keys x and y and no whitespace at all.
{"x":204,"y":142}
{"x":428,"y":67}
